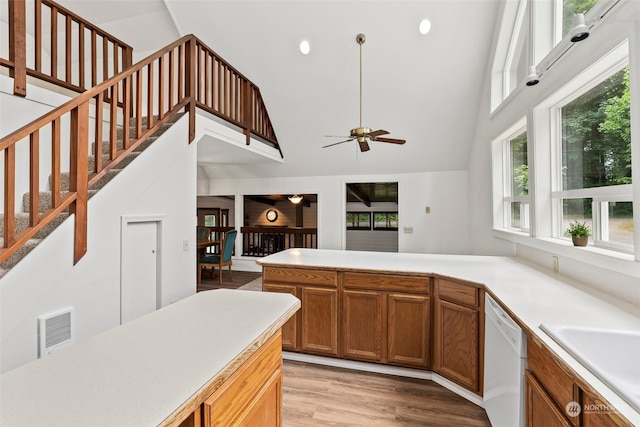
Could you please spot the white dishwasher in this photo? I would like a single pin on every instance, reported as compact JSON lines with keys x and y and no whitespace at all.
{"x":504,"y":365}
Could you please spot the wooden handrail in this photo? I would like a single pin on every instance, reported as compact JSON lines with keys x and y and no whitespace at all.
{"x":133,"y":103}
{"x":69,"y":40}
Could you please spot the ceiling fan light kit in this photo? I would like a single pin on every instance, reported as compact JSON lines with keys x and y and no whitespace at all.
{"x":364,"y":134}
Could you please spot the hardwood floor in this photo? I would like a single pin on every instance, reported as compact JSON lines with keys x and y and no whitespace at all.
{"x":317,"y":395}
{"x":240,"y":278}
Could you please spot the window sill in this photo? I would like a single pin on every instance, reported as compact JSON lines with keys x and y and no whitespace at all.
{"x":603,"y":258}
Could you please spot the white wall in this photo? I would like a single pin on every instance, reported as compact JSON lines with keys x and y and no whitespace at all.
{"x":160,"y":182}
{"x":444,"y":230}
{"x":616,"y":275}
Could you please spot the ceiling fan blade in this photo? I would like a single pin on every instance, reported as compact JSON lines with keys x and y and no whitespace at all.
{"x":336,"y":143}
{"x":336,"y":136}
{"x":364,"y":145}
{"x":376,"y":133}
{"x":391,"y":140}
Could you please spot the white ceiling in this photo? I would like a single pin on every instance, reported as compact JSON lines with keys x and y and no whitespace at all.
{"x":425,"y":89}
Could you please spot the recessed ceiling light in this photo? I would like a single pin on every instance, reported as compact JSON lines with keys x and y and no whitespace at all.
{"x":425,"y":26}
{"x":305,"y":47}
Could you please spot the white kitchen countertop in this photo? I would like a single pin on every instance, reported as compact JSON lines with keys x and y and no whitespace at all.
{"x":139,"y":373}
{"x":533,"y":294}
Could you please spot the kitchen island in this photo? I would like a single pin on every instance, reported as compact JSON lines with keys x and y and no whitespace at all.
{"x":531,"y":294}
{"x":176,"y":365}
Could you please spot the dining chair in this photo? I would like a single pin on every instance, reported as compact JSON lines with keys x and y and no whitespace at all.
{"x":221,"y":260}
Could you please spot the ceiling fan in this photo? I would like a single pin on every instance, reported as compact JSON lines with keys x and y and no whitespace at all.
{"x":363,"y":134}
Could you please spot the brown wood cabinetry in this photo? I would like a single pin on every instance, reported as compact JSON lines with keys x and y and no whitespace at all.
{"x":557,"y":397}
{"x":314,"y":329}
{"x":541,"y":410}
{"x":386,"y":318}
{"x":458,"y":330}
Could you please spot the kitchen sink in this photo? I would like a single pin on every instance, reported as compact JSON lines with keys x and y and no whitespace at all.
{"x":611,"y":355}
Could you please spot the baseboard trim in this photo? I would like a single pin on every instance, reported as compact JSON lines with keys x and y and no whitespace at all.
{"x":385,"y":369}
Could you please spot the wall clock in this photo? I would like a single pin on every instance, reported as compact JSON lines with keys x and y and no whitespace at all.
{"x":272,"y":215}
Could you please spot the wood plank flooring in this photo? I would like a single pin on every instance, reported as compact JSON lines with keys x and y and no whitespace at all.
{"x":240,"y":278}
{"x":317,"y":395}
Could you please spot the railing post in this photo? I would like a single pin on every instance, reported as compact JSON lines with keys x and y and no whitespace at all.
{"x":246,"y":101}
{"x":18,"y":46}
{"x":78,"y":176}
{"x":190,"y":84}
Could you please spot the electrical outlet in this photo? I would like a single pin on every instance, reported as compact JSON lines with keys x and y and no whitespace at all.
{"x":556,"y":264}
{"x":407,"y":230}
{"x":427,"y":209}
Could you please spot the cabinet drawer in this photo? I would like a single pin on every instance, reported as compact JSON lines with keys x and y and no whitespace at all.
{"x":458,"y":292}
{"x":387,"y":282}
{"x":299,"y":276}
{"x":551,"y":375}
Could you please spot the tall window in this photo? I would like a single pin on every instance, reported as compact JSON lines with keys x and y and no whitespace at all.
{"x":516,"y":181}
{"x":595,"y":171}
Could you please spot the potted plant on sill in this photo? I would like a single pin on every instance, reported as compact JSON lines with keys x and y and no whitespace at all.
{"x":579,"y":232}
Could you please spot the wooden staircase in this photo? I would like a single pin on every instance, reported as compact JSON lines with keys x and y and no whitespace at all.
{"x":45,"y":199}
{"x":145,"y":98}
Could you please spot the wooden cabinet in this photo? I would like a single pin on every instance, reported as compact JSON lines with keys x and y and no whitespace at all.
{"x":252,"y":395}
{"x":458,"y":333}
{"x":541,"y":410}
{"x":557,"y":397}
{"x":314,"y":329}
{"x":382,"y":324}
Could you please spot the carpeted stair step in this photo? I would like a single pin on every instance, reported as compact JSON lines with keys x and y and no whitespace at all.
{"x":19,"y":254}
{"x":45,"y":200}
{"x":22,"y":222}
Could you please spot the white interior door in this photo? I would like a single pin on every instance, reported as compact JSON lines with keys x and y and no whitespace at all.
{"x":139,"y":285}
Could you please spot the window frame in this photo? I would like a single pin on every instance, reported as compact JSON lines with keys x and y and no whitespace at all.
{"x":357,"y":215}
{"x":387,"y":213}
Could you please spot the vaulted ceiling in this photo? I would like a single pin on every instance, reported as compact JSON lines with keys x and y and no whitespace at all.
{"x":422,"y":88}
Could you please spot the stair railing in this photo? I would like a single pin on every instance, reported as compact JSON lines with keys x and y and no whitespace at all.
{"x":129,"y":107}
{"x":68,"y":50}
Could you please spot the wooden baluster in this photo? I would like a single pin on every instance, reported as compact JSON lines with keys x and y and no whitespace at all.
{"x":150,"y":95}
{"x":171,"y":86}
{"x":180,"y":73}
{"x":220,"y":87}
{"x":38,"y":35}
{"x":113,"y":123}
{"x":190,"y":85}
{"x":78,"y":178}
{"x":105,"y":58}
{"x":116,"y":57}
{"x":207,"y":79}
{"x":34,"y":178}
{"x":94,"y":58}
{"x":67,"y":49}
{"x":126,"y":113}
{"x":9,"y":195}
{"x":246,"y":119}
{"x":54,"y":42}
{"x":55,"y":162}
{"x":97,"y":145}
{"x":161,"y":86}
{"x":17,"y":46}
{"x":81,"y":69}
{"x":138,"y":114}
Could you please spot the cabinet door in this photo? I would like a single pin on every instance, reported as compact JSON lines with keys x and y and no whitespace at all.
{"x":408,"y":330}
{"x":319,"y":320}
{"x":362,"y":325}
{"x":456,"y":352}
{"x":289,"y":329}
{"x":596,"y":413}
{"x":541,"y":411}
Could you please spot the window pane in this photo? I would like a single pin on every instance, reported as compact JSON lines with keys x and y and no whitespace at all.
{"x":364,"y":220}
{"x":596,"y":136}
{"x":519,"y":168}
{"x":571,"y":7}
{"x":209,"y":220}
{"x":617,"y":225}
{"x":576,"y":210}
{"x":350,"y":218}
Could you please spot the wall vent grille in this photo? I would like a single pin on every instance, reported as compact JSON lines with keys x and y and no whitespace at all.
{"x":54,"y":332}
